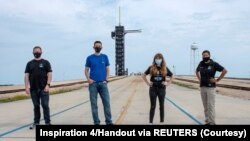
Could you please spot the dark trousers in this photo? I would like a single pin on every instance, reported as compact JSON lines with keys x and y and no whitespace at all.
{"x":155,"y":92}
{"x":37,"y":96}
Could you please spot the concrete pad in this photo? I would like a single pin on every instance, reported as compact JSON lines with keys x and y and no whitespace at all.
{"x":129,"y":105}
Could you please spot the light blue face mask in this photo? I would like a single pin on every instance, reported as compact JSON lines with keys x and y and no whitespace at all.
{"x":158,"y":61}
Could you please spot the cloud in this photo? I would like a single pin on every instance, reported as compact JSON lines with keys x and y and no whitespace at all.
{"x":67,"y":29}
{"x":57,"y":13}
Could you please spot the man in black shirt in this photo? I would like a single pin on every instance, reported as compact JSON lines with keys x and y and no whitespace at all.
{"x":38,"y":75}
{"x":158,"y":72}
{"x":205,"y":73}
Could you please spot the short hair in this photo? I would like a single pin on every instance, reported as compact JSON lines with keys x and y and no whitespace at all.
{"x":96,"y":42}
{"x":37,"y":47}
{"x":206,"y":51}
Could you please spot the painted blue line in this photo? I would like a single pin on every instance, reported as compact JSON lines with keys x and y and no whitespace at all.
{"x":184,"y":111}
{"x":69,"y":108}
{"x":24,"y":126}
{"x":14,"y":130}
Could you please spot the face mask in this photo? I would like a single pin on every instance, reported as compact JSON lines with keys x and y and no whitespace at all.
{"x":37,"y":54}
{"x":158,"y":61}
{"x":205,"y":59}
{"x":98,"y":49}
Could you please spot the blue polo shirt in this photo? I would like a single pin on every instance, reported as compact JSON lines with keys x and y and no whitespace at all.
{"x":97,"y":65}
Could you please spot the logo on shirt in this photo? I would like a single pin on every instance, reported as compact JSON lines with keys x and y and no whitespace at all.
{"x":209,"y":68}
{"x":41,"y":65}
{"x":102,"y":61}
{"x":158,"y":78}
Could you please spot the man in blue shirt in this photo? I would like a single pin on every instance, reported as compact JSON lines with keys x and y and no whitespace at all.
{"x":98,"y":65}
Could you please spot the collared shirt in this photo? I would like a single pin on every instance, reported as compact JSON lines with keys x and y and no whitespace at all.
{"x":207,"y":72}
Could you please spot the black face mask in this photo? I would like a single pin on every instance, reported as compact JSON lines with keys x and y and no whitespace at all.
{"x":205,"y":59}
{"x":98,"y":49}
{"x":37,"y":54}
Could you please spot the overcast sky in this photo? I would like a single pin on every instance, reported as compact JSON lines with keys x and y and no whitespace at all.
{"x":66,"y":30}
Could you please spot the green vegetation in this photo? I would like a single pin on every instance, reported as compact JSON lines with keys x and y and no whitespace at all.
{"x":15,"y":98}
{"x":185,"y":85}
{"x":64,"y":90}
{"x":52,"y":92}
{"x":25,"y":96}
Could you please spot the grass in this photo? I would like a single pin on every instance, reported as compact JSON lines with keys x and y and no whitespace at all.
{"x":185,"y":85}
{"x":52,"y":92}
{"x":64,"y":90}
{"x":15,"y":98}
{"x":25,"y":96}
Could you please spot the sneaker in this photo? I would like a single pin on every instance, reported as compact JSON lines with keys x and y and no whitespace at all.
{"x":32,"y":126}
{"x":210,"y":123}
{"x":161,"y":123}
{"x":151,"y":123}
{"x":110,"y":124}
{"x":48,"y":124}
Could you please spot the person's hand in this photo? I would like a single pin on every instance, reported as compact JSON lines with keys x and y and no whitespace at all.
{"x":165,"y":83}
{"x":213,"y":80}
{"x":90,"y":81}
{"x":150,"y":84}
{"x":46,"y":89}
{"x":27,"y":90}
{"x":217,"y":80}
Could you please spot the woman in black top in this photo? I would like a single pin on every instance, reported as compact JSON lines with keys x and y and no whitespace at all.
{"x":158,"y":72}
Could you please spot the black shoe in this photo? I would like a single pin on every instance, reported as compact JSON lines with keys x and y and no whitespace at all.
{"x":48,"y":124}
{"x":110,"y":124}
{"x":209,"y":123}
{"x":32,"y":126}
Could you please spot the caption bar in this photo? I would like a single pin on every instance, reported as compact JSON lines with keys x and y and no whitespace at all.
{"x":80,"y":131}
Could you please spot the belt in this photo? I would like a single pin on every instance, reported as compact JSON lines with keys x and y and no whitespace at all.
{"x":100,"y":81}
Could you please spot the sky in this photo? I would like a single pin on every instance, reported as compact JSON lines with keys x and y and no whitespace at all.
{"x":66,"y":30}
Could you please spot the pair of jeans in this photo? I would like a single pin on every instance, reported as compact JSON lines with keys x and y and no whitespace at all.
{"x":155,"y":92}
{"x":37,"y":96}
{"x":102,"y":89}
